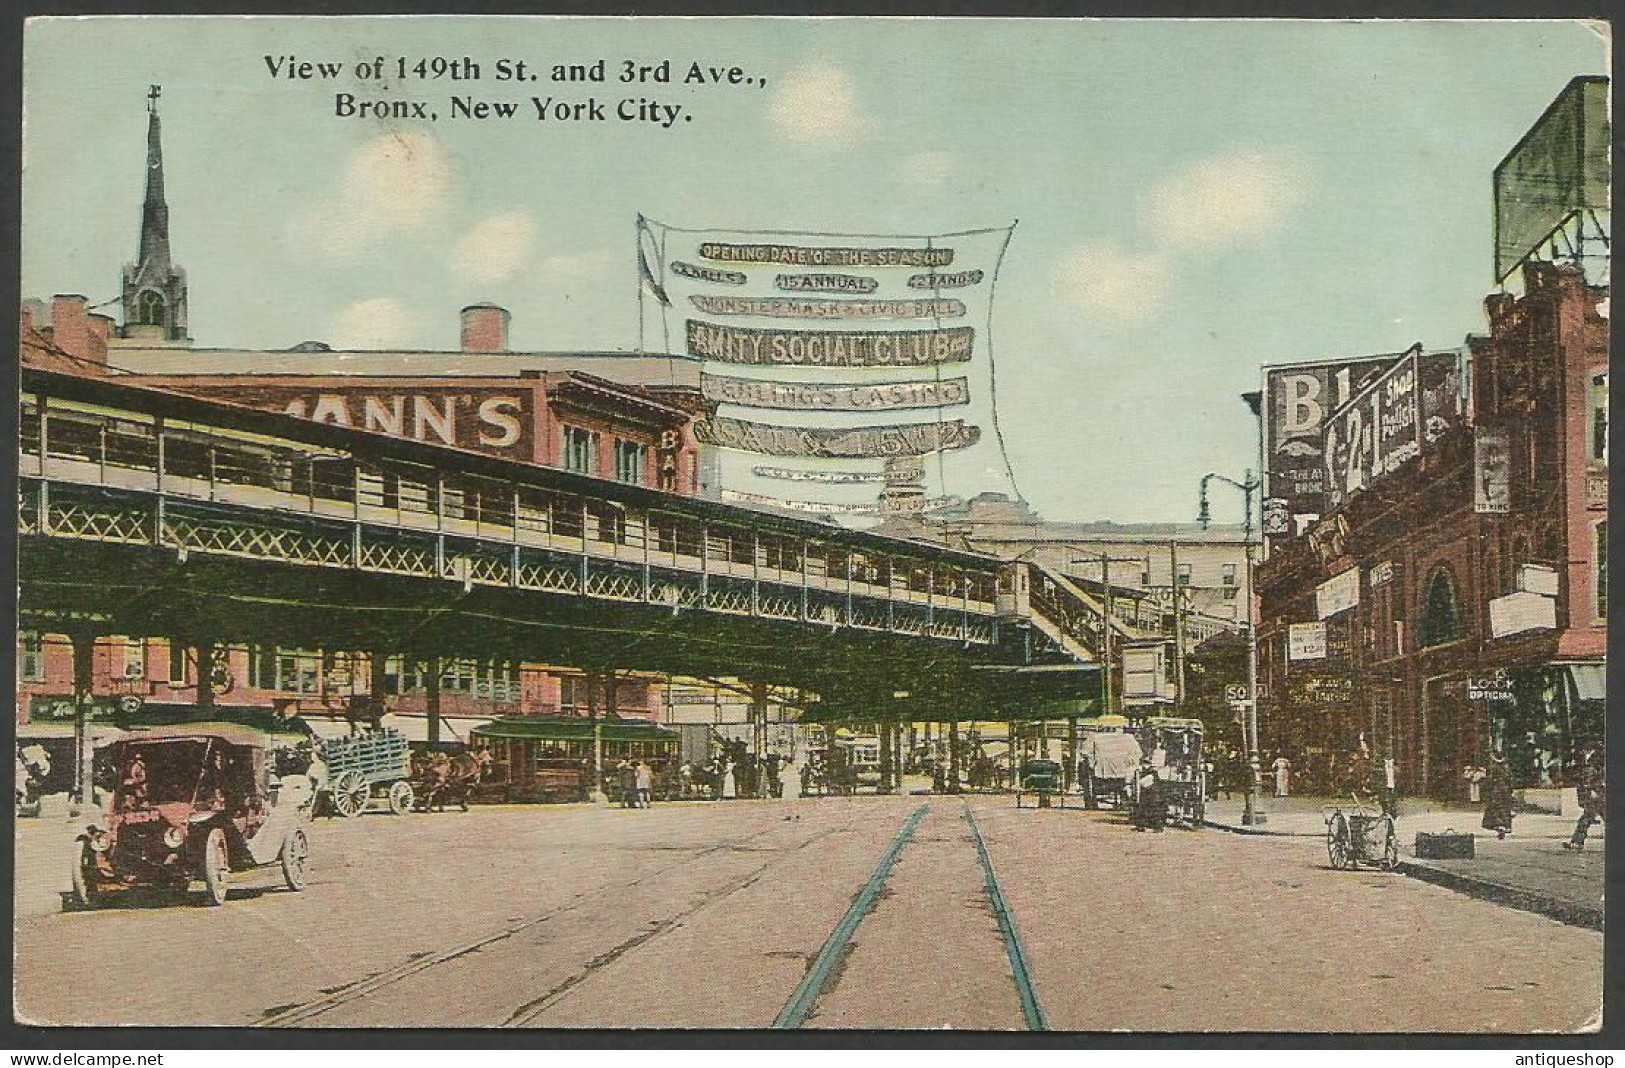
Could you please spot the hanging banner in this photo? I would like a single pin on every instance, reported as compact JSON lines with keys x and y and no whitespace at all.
{"x":814,"y":396}
{"x":806,"y":256}
{"x":843,"y":478}
{"x":818,"y":308}
{"x":933,"y":280}
{"x":824,"y":283}
{"x":818,"y":348}
{"x":763,"y":500}
{"x":707,"y":274}
{"x":914,"y":440}
{"x":1492,"y":470}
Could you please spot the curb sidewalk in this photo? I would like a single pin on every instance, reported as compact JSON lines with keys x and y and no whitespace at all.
{"x":1563,"y":909}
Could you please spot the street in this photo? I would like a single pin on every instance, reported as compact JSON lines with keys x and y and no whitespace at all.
{"x":710,"y":915}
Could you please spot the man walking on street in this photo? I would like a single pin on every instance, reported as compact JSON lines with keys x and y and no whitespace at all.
{"x":1591,"y":797}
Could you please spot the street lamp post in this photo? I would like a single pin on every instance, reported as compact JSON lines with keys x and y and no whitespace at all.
{"x":1248,"y":487}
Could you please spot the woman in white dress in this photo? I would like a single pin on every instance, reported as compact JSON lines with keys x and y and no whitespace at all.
{"x":790,"y":780}
{"x":729,"y":790}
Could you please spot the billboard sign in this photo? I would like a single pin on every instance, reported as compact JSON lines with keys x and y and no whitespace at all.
{"x":1306,"y":641}
{"x":1298,"y":399}
{"x":1492,"y":470}
{"x":1386,"y":425}
{"x":1558,"y":170}
{"x":806,"y":256}
{"x":1337,"y":594}
{"x":826,"y":307}
{"x":496,"y":421}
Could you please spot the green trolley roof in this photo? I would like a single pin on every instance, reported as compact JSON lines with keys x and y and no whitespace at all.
{"x":573,"y":729}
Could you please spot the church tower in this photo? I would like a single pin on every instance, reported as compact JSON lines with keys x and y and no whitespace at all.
{"x":154,"y":293}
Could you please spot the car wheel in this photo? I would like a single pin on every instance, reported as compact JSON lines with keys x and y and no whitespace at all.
{"x":216,"y":867}
{"x":87,"y":892}
{"x":295,"y":859}
{"x":400,"y":797}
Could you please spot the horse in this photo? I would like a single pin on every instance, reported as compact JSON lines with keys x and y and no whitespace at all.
{"x":452,"y":778}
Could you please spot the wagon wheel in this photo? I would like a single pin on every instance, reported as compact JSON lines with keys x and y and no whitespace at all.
{"x":295,"y":859}
{"x":400,"y":797}
{"x":216,"y":867}
{"x":350,"y":793}
{"x":1337,"y":842}
{"x":1390,"y":845}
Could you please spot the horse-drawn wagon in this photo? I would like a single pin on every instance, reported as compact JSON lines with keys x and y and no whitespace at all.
{"x":362,"y":768}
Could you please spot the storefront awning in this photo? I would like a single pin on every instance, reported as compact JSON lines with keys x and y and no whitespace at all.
{"x":453,"y":729}
{"x":1590,"y":681}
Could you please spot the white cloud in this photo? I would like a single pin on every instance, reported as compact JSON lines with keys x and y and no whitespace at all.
{"x":395,"y":182}
{"x":1234,"y":196}
{"x":927,"y":170}
{"x":1106,"y":283}
{"x":494,"y":249}
{"x":379,"y":323}
{"x":817,"y":106}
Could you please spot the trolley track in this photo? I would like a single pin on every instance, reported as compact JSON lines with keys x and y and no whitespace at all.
{"x":825,"y":972}
{"x":302,"y":1012}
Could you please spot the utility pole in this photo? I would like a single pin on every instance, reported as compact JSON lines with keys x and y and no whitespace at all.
{"x":1179,"y":625}
{"x":1249,"y":486}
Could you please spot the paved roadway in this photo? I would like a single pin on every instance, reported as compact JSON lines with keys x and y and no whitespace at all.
{"x":710,"y":915}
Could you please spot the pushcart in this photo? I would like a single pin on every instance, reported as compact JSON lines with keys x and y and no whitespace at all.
{"x":1361,"y":836}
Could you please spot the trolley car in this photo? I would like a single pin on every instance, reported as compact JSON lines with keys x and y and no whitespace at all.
{"x":550,"y":758}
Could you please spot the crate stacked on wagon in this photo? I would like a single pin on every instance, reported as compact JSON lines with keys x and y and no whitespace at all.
{"x":362,"y":768}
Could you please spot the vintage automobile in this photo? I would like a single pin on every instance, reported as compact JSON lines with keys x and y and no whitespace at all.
{"x":196,"y":802}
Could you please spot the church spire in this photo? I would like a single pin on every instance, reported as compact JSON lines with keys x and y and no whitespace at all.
{"x":154,"y":294}
{"x":154,"y":212}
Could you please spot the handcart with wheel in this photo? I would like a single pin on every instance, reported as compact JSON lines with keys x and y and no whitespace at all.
{"x":1361,"y":835}
{"x":362,"y":767}
{"x":1042,"y":778}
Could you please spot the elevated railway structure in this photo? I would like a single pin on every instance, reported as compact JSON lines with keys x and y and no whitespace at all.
{"x":146,"y":512}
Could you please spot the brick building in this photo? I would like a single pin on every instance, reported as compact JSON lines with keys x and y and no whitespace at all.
{"x":617,"y":416}
{"x":1456,"y":605}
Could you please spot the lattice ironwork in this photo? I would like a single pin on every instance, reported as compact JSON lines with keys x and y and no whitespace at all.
{"x":979,"y":632}
{"x":948,"y":627}
{"x":779,"y":606}
{"x":398,"y":558}
{"x":615,"y":585}
{"x":735,"y":600}
{"x":868,"y":615}
{"x":490,"y":570}
{"x":108,"y":522}
{"x":675,"y":592}
{"x":908,"y":622}
{"x":549,"y":577}
{"x":225,"y":538}
{"x":28,"y":511}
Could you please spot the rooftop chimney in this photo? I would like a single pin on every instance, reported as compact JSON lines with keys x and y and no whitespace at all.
{"x":485,"y":328}
{"x":72,"y":331}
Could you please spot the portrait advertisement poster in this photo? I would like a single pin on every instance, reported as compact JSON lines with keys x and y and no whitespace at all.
{"x":654,"y":523}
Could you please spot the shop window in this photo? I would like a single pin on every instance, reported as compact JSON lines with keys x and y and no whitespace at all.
{"x":629,"y":461}
{"x":1599,"y":418}
{"x":1600,"y":556}
{"x":580,"y":450}
{"x":177,"y":664}
{"x":1441,"y":621}
{"x":31,"y":656}
{"x":135,"y":659}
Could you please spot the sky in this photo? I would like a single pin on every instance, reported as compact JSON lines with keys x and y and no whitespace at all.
{"x":1192,"y":199}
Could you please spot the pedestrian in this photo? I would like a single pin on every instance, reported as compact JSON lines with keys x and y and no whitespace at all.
{"x":627,"y":776}
{"x":685,"y":781}
{"x":1283,"y":775}
{"x":1498,"y":797}
{"x":730,"y":789}
{"x":1150,"y":809}
{"x":1590,"y":791}
{"x":643,"y":778}
{"x":790,"y":782}
{"x":1475,"y":777}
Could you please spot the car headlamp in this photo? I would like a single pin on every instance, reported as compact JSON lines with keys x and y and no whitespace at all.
{"x":173,"y":837}
{"x":98,"y":840}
